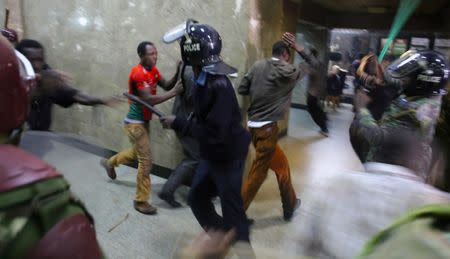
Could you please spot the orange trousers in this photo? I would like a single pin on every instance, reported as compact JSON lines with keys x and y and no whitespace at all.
{"x":268,"y":155}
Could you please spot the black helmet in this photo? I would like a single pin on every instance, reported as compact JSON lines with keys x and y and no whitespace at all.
{"x":419,"y":73}
{"x":200,"y":46}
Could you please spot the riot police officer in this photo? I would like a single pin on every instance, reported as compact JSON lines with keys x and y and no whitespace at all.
{"x":216,"y":124}
{"x":420,"y":78}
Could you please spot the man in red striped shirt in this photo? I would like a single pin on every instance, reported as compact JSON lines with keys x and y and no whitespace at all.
{"x":142,"y":82}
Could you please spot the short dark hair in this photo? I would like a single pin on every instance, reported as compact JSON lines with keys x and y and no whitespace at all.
{"x":141,"y":47}
{"x":278,"y":48}
{"x":28,"y":43}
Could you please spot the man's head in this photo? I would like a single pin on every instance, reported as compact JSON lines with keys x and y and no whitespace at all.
{"x":201,"y":48}
{"x":148,"y":54}
{"x":281,"y":51}
{"x":420,"y":73}
{"x":34,"y":52}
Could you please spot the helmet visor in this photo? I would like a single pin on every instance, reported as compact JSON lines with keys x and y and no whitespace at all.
{"x":26,"y":71}
{"x":406,"y":65}
{"x":177,"y":32}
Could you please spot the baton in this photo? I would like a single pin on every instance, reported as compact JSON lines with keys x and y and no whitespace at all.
{"x":134,"y":98}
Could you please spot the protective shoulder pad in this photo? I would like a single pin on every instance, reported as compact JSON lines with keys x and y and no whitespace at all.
{"x":73,"y":237}
{"x":19,"y":168}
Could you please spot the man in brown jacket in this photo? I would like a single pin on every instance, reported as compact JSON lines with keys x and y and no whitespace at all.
{"x":269,"y":84}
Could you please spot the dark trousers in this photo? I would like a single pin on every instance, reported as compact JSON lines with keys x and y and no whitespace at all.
{"x":182,"y":173}
{"x":225,"y":180}
{"x":316,"y":111}
{"x":185,"y":170}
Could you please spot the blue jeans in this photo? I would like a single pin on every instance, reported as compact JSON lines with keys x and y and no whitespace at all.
{"x":225,"y":180}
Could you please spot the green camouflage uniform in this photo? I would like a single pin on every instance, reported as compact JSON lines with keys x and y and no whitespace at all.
{"x":412,"y":116}
{"x":442,"y":146}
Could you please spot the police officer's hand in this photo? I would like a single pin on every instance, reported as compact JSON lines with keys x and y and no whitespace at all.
{"x":361,"y":100}
{"x":167,"y":121}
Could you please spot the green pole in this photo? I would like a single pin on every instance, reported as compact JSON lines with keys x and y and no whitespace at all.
{"x":404,"y":11}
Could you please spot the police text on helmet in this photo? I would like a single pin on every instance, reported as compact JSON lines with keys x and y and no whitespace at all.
{"x":191,"y":47}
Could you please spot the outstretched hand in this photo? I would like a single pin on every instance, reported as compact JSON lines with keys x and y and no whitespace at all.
{"x":291,"y":41}
{"x":113,"y":101}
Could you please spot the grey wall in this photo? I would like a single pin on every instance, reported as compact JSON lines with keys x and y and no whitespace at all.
{"x":96,"y":42}
{"x":2,"y":11}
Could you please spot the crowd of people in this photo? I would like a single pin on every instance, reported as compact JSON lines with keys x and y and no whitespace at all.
{"x":393,"y":133}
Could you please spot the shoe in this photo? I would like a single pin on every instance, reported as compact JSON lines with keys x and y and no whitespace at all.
{"x":288,"y":214}
{"x":144,"y":207}
{"x":109,"y":169}
{"x":169,"y":199}
{"x":324,"y":133}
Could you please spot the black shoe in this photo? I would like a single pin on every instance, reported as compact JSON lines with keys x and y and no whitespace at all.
{"x":169,"y":199}
{"x":324,"y":132}
{"x":288,"y":214}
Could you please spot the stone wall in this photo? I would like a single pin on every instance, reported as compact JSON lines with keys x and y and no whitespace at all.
{"x":2,"y":11}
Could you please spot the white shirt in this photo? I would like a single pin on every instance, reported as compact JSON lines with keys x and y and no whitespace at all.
{"x":342,"y":212}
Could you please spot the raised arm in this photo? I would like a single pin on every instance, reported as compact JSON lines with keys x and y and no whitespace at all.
{"x":169,"y":84}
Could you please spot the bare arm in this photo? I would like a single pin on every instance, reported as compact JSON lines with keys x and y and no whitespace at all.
{"x":169,"y":84}
{"x":160,"y":98}
{"x":290,"y":40}
{"x":88,"y":100}
{"x":365,"y":78}
{"x":244,"y":86}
